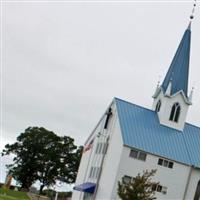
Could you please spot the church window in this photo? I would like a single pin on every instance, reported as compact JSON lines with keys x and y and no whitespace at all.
{"x":158,"y":105}
{"x":133,"y":153}
{"x":175,"y":112}
{"x":91,"y":172}
{"x":97,"y":149}
{"x":87,"y":196}
{"x":197,"y":193}
{"x":127,"y":179}
{"x":138,"y":155}
{"x":94,"y":172}
{"x":160,"y":161}
{"x":159,"y":188}
{"x":105,"y":147}
{"x":165,"y":163}
{"x":154,"y":186}
{"x":171,"y":165}
{"x":142,"y":156}
{"x":101,"y":148}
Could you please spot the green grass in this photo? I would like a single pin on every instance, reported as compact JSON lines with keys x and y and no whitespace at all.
{"x":13,"y":195}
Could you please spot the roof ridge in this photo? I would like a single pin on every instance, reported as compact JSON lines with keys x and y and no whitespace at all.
{"x":133,"y":104}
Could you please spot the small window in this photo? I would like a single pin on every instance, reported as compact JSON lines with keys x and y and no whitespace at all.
{"x":133,"y":153}
{"x":160,"y":161}
{"x":97,"y":149}
{"x":126,"y":179}
{"x":101,"y":148}
{"x":142,"y":156}
{"x":87,"y":196}
{"x":138,"y":154}
{"x":91,"y":172}
{"x":165,"y":163}
{"x":94,"y":172}
{"x":175,"y":112}
{"x":158,"y":105}
{"x":154,"y":186}
{"x":105,"y":146}
{"x":159,"y":188}
{"x":171,"y":164}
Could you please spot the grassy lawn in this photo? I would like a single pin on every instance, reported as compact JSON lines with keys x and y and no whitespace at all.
{"x":12,"y":195}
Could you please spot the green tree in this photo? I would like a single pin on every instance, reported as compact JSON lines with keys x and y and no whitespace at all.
{"x":39,"y":154}
{"x":139,"y":188}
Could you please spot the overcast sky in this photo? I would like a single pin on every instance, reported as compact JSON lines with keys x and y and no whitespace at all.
{"x":64,"y":62}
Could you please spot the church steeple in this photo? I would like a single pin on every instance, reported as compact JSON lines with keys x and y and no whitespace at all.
{"x":178,"y":72}
{"x":171,"y":101}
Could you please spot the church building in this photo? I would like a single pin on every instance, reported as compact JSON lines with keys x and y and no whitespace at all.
{"x":129,"y":139}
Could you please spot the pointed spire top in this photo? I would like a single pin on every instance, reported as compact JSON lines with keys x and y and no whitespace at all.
{"x":179,"y":68}
{"x":189,"y":26}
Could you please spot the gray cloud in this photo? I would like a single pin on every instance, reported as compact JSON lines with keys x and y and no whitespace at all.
{"x":64,"y":62}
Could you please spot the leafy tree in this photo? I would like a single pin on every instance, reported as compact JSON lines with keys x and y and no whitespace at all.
{"x":139,"y":188}
{"x":41,"y":155}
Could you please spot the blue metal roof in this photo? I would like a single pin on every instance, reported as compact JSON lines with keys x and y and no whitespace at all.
{"x":141,"y":129}
{"x":179,"y":68}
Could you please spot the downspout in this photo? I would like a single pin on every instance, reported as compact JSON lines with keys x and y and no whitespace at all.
{"x":188,"y":181}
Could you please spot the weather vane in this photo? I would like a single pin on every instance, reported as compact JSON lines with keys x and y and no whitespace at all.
{"x":193,"y":10}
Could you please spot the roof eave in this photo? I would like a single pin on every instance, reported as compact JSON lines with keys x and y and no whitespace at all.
{"x":186,"y":100}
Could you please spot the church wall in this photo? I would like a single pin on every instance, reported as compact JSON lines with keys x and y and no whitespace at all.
{"x":92,"y":159}
{"x":174,"y":179}
{"x":111,"y":162}
{"x":195,"y":178}
{"x":89,"y":159}
{"x":81,"y":175}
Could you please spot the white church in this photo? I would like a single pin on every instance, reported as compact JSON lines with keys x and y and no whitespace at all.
{"x":130,"y":138}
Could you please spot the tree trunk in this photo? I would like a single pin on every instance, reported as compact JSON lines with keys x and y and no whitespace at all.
{"x":41,"y":188}
{"x":25,"y":187}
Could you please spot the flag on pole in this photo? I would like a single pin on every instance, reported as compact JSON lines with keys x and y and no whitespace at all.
{"x":88,"y":146}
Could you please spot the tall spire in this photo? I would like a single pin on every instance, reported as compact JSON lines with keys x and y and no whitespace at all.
{"x":178,"y":72}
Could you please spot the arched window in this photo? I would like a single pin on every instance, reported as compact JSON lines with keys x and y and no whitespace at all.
{"x":197,"y":193}
{"x":158,"y":105}
{"x":175,"y":112}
